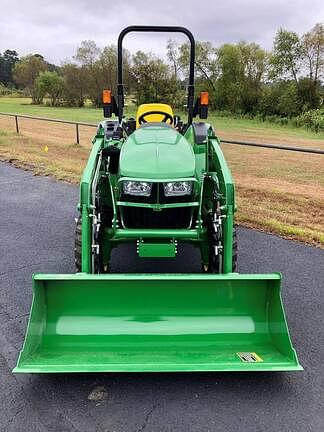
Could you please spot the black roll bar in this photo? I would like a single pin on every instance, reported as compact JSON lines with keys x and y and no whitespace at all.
{"x":163,"y":29}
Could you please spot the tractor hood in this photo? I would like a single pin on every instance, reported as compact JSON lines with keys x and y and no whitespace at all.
{"x":157,"y":152}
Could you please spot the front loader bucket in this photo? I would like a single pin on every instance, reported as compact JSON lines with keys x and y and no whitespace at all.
{"x":109,"y":323}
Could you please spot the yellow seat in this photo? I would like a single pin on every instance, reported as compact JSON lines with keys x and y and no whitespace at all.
{"x":145,"y":108}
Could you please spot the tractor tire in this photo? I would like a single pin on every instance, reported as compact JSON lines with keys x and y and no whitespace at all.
{"x":78,"y":250}
{"x":235,"y":247}
{"x":78,"y":245}
{"x":213,"y":266}
{"x":107,"y":218}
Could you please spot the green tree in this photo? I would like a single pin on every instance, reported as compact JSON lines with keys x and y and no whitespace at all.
{"x":206,"y":64}
{"x":107,"y":68}
{"x":75,"y":84}
{"x":287,"y":55}
{"x":173,"y":54}
{"x":289,"y":101}
{"x":108,"y":65}
{"x":7,"y":62}
{"x":309,"y":87}
{"x":309,"y":94}
{"x":87,"y":53}
{"x":300,"y":59}
{"x":26,"y":71}
{"x":154,"y":80}
{"x":87,"y":56}
{"x":242,"y":69}
{"x":254,"y":63}
{"x":230,"y":84}
{"x":51,"y":84}
{"x":269,"y":100}
{"x":312,"y":48}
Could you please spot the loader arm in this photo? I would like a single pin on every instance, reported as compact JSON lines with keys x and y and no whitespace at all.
{"x":85,"y":205}
{"x":227,"y":190}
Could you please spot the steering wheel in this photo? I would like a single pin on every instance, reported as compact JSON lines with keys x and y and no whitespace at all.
{"x":166,"y":117}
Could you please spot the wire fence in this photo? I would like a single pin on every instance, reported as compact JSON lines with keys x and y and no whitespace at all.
{"x":275,"y":146}
{"x":78,"y":124}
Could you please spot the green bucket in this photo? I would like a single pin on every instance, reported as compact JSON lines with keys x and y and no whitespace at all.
{"x":155,"y":323}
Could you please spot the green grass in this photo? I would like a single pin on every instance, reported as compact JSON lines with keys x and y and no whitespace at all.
{"x":94,"y":115}
{"x":250,"y":125}
{"x":24,"y":106}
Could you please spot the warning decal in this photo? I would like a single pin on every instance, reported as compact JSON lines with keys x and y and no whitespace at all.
{"x":249,"y":357}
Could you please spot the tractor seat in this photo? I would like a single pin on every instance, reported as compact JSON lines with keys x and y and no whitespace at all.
{"x":156,"y":117}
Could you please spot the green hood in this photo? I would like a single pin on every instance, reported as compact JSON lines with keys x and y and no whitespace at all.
{"x":157,"y":151}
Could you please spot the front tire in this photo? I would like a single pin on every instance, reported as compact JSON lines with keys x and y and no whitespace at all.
{"x":78,"y":250}
{"x":100,"y":267}
{"x":78,"y":245}
{"x":235,"y":252}
{"x":215,"y":260}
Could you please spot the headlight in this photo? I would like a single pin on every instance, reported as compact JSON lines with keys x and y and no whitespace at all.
{"x":179,"y":188}
{"x":137,"y":188}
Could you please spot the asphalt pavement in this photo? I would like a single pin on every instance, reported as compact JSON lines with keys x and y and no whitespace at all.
{"x":37,"y":235}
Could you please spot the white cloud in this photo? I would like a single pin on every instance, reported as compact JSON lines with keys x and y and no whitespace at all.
{"x":56,"y":28}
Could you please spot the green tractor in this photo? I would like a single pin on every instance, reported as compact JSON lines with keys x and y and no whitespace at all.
{"x":156,"y":182}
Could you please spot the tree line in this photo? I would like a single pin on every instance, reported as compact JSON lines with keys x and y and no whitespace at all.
{"x":242,"y":78}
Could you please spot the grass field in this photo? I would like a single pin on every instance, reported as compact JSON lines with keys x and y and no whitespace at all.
{"x":89,"y":114}
{"x":278,"y":191}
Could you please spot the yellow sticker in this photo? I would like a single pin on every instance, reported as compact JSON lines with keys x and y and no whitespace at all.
{"x":46,"y":149}
{"x":258,"y":358}
{"x":249,"y":357}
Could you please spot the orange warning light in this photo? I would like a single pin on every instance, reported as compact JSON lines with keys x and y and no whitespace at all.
{"x":106,"y":96}
{"x":204,"y":98}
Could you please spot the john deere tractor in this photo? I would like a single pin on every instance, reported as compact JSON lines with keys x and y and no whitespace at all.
{"x":156,"y":182}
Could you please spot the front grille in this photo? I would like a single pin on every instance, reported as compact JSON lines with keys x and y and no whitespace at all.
{"x":138,"y":217}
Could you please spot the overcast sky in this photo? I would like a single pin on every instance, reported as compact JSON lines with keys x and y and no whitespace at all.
{"x":55,"y":28}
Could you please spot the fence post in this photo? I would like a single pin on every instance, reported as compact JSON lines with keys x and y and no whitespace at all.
{"x":17,"y":125}
{"x":77,"y":133}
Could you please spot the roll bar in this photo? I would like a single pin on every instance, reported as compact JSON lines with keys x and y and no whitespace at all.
{"x":163,"y":29}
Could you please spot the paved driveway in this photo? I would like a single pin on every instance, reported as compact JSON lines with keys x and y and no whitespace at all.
{"x":36,"y":232}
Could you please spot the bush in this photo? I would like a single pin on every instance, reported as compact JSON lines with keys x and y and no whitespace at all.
{"x":3,"y":90}
{"x":282,"y":121}
{"x":312,"y":119}
{"x":50,"y":83}
{"x":9,"y":91}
